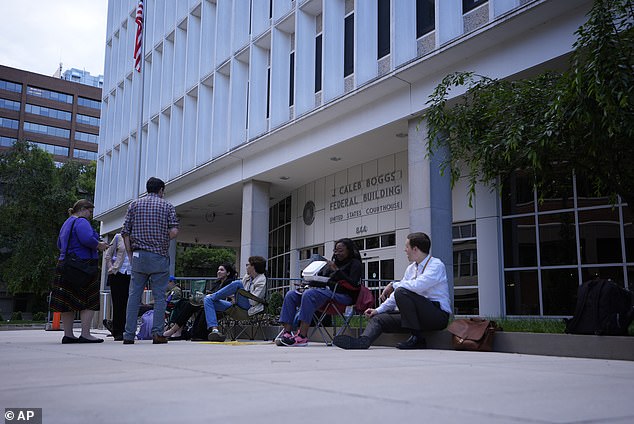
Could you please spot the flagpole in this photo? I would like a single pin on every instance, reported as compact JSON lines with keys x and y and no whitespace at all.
{"x":139,"y":132}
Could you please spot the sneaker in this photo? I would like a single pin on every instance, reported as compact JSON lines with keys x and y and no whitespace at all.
{"x":347,"y":342}
{"x":296,"y":340}
{"x":284,"y":335}
{"x":216,"y":336}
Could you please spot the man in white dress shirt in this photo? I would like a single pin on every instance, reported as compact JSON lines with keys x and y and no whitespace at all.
{"x":417,"y":303}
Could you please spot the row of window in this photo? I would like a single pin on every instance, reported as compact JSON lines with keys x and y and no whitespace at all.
{"x":87,"y":120}
{"x":84,"y":154}
{"x":10,"y":86}
{"x":49,"y":94}
{"x":48,"y":112}
{"x":93,"y":104}
{"x":9,"y":123}
{"x":47,"y":129}
{"x":54,"y":150}
{"x":86,"y":137}
{"x":7,"y":141}
{"x":425,"y":23}
{"x":9,"y":104}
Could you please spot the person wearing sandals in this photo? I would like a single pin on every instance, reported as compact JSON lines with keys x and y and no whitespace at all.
{"x":226,"y":274}
{"x":254,"y":282}
{"x":77,"y":237}
{"x":345,"y":266}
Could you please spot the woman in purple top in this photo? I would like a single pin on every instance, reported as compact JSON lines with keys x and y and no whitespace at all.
{"x":83,"y":242}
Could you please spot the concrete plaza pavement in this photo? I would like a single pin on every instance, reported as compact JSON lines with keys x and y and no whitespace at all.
{"x":258,"y":382}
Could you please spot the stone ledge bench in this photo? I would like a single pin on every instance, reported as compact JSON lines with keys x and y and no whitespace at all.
{"x":548,"y":344}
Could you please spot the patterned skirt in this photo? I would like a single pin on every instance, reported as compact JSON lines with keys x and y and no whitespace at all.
{"x":67,"y":298}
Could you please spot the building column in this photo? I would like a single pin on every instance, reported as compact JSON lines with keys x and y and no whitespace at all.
{"x":430,"y":196}
{"x":255,"y":222}
{"x":489,"y":250}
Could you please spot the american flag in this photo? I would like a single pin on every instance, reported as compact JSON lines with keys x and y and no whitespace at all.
{"x":138,"y":40}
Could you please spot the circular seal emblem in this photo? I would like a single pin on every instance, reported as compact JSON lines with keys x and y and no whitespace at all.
{"x":309,"y":212}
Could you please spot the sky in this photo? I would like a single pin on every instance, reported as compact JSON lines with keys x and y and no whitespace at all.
{"x":36,"y":35}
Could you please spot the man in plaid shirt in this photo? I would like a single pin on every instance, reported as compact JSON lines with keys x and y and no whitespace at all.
{"x":149,"y":225}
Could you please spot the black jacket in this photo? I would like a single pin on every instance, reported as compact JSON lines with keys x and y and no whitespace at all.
{"x":351,"y":272}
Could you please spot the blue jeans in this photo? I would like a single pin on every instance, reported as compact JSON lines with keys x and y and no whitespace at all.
{"x":215,"y":302}
{"x":308,"y":302}
{"x":156,"y":268}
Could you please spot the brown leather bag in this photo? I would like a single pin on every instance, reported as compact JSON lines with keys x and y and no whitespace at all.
{"x":473,"y":334}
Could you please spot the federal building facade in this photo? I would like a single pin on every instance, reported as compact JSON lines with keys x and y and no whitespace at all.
{"x":281,"y":126}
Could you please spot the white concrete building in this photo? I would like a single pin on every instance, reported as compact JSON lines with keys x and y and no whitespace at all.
{"x":280,"y":126}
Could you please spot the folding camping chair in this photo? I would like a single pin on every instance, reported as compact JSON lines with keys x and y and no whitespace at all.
{"x":340,"y":312}
{"x":237,"y":321}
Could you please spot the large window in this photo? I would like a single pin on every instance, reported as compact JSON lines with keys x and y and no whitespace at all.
{"x":45,"y":111}
{"x":10,"y":86}
{"x":280,"y":239}
{"x":383,"y":30}
{"x":348,"y":45}
{"x":49,"y":94}
{"x":46,"y":129}
{"x":318,"y":63}
{"x":465,"y":269}
{"x":425,"y":17}
{"x":555,"y":240}
{"x":291,"y":82}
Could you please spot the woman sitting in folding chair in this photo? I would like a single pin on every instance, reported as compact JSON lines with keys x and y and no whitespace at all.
{"x":226,"y":274}
{"x":254,"y":282}
{"x":344,"y":274}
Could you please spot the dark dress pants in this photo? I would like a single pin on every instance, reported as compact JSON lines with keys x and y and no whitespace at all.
{"x":119,"y":288}
{"x":416,"y":314}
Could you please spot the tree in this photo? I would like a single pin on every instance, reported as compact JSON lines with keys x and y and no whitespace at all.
{"x":199,"y":261}
{"x":36,"y":198}
{"x":581,"y":120}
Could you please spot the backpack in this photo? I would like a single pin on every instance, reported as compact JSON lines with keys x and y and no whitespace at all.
{"x":145,"y":331}
{"x":603,"y":308}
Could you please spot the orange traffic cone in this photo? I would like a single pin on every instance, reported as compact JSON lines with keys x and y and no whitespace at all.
{"x":57,"y":318}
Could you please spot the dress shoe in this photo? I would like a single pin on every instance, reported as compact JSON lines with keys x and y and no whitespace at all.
{"x":414,"y":342}
{"x":347,"y":342}
{"x":82,"y":339}
{"x":118,"y":338}
{"x":158,"y":339}
{"x":68,"y":340}
{"x":128,"y":341}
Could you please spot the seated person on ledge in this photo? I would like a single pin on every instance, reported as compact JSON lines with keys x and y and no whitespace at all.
{"x":422,"y":298}
{"x":185,"y":310}
{"x":344,"y":266}
{"x":254,"y":282}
